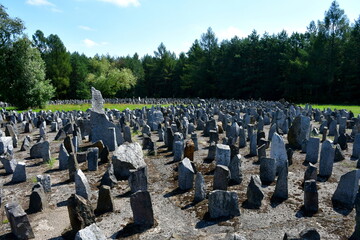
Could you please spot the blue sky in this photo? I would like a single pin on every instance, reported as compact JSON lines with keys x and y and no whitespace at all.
{"x":123,"y":27}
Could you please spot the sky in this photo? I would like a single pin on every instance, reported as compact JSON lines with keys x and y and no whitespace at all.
{"x":125,"y":27}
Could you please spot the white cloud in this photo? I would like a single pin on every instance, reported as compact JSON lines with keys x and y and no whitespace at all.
{"x":56,"y":10}
{"x":231,"y":32}
{"x":123,"y":3}
{"x":40,"y":3}
{"x":89,"y":43}
{"x":86,"y":28}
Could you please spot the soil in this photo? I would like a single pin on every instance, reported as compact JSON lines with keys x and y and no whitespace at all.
{"x":177,"y":216}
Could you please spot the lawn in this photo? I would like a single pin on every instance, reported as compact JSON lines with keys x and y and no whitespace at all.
{"x":353,"y":108}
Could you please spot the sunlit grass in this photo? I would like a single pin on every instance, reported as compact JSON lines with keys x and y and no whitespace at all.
{"x":353,"y":108}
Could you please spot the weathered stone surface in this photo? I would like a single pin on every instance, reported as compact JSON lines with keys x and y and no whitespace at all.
{"x":267,"y":170}
{"x":221,"y":177}
{"x":254,"y":193}
{"x":200,"y":188}
{"x":126,"y":157}
{"x":345,"y":193}
{"x":138,"y":179}
{"x":281,"y":189}
{"x":92,"y":159}
{"x":178,"y":149}
{"x":222,"y":154}
{"x":253,"y":145}
{"x":310,"y":172}
{"x":338,"y":155}
{"x":189,"y":150}
{"x":327,"y":155}
{"x":356,"y":147}
{"x":105,"y":201}
{"x":141,"y":207}
{"x":342,"y":141}
{"x":73,"y":166}
{"x":278,"y":151}
{"x":45,"y":181}
{"x":312,"y":150}
{"x":311,"y":198}
{"x":80,"y":211}
{"x":41,"y":150}
{"x":19,"y":222}
{"x":236,"y":175}
{"x":38,"y":201}
{"x":299,"y":130}
{"x":92,"y":232}
{"x":25,"y":146}
{"x":223,"y":204}
{"x":19,"y":173}
{"x":211,"y":152}
{"x":186,"y":175}
{"x":9,"y":164}
{"x":356,"y":234}
{"x":109,"y":178}
{"x":82,"y":186}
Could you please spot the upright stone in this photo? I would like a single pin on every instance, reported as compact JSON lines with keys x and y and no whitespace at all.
{"x":81,"y":213}
{"x":253,"y":145}
{"x":109,"y":178}
{"x":254,"y":193}
{"x":127,"y":134}
{"x":211,"y":152}
{"x":221,"y":177}
{"x":236,"y":175}
{"x":178,"y":150}
{"x":73,"y":166}
{"x":63,"y":157}
{"x":138,"y":179}
{"x":41,"y":150}
{"x":222,"y":154}
{"x":356,"y":234}
{"x":342,"y":141}
{"x":311,"y":198}
{"x":242,"y":137}
{"x":281,"y":188}
{"x":310,"y":172}
{"x":223,"y":204}
{"x":299,"y":130}
{"x":19,"y":174}
{"x":326,"y":159}
{"x":92,"y":159}
{"x":278,"y":151}
{"x":345,"y":193}
{"x":189,"y":150}
{"x":186,"y":174}
{"x":356,"y":147}
{"x":267,"y":170}
{"x":200,"y":188}
{"x":91,"y":232}
{"x":312,"y":150}
{"x":38,"y":201}
{"x":105,"y":201}
{"x":19,"y":222}
{"x":141,"y":207}
{"x":45,"y":181}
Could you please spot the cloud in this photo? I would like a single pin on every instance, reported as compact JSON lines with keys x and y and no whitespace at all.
{"x":123,"y":3}
{"x":86,"y":28}
{"x":231,"y":32}
{"x":40,"y":3}
{"x":90,"y":43}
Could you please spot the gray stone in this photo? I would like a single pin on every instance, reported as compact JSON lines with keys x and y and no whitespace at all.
{"x":186,"y":175}
{"x":82,"y":186}
{"x":236,"y":175}
{"x":299,"y":130}
{"x":311,"y":198}
{"x":81,"y":156}
{"x":339,"y":155}
{"x":281,"y":189}
{"x":211,"y":152}
{"x":126,"y":157}
{"x":9,"y":164}
{"x":194,"y":138}
{"x":356,"y":234}
{"x":234,"y":236}
{"x":223,"y":204}
{"x":178,"y":150}
{"x":254,"y":193}
{"x":356,"y":147}
{"x":278,"y":151}
{"x":6,"y":145}
{"x":221,"y":177}
{"x":267,"y":170}
{"x":310,"y":172}
{"x":25,"y":146}
{"x":41,"y":150}
{"x":342,"y":141}
{"x":81,"y":213}
{"x":92,"y":159}
{"x":38,"y":201}
{"x":141,"y":207}
{"x":242,"y":137}
{"x":138,"y":179}
{"x":222,"y":154}
{"x":45,"y":181}
{"x":92,"y":232}
{"x":109,"y":178}
{"x":312,"y":150}
{"x":327,"y":155}
{"x":345,"y":193}
{"x":105,"y":201}
{"x":73,"y":166}
{"x":19,"y":222}
{"x":127,"y":134}
{"x":19,"y":173}
{"x":253,"y":145}
{"x":97,"y":101}
{"x":200,"y":188}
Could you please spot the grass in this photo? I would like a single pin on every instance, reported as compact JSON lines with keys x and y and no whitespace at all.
{"x":51,"y":162}
{"x":5,"y":221}
{"x":355,"y":109}
{"x":84,"y":107}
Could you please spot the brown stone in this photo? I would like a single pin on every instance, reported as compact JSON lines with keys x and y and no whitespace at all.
{"x":189,"y":150}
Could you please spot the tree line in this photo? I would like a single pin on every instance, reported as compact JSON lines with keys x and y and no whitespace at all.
{"x":321,"y":65}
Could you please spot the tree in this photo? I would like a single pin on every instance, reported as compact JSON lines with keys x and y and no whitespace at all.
{"x":10,"y":28}
{"x":24,"y":79}
{"x":80,"y":88}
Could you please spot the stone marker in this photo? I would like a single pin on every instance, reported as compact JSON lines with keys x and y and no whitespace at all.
{"x":200,"y":188}
{"x":345,"y":193}
{"x":19,"y":174}
{"x":223,"y":204}
{"x":41,"y":150}
{"x":63,"y":157}
{"x":38,"y":200}
{"x":141,"y":207}
{"x":356,"y":147}
{"x":310,"y":172}
{"x":45,"y":181}
{"x":19,"y":222}
{"x":306,"y":234}
{"x":138,"y":179}
{"x":312,"y":150}
{"x":356,"y":234}
{"x":73,"y":166}
{"x":278,"y":151}
{"x":267,"y":170}
{"x":105,"y":201}
{"x":242,"y":137}
{"x":92,"y":159}
{"x":189,"y":150}
{"x":212,"y":152}
{"x":109,"y":178}
{"x":127,"y":134}
{"x":253,"y":145}
{"x":222,"y":154}
{"x":9,"y":164}
{"x":178,"y":150}
{"x":338,"y":155}
{"x":186,"y":175}
{"x":342,"y":141}
{"x":327,"y":155}
{"x":254,"y":193}
{"x":221,"y":177}
{"x":80,"y":211}
{"x":26,"y":144}
{"x":281,"y":188}
{"x":82,"y":186}
{"x":236,"y":175}
{"x":91,"y":232}
{"x":311,"y":198}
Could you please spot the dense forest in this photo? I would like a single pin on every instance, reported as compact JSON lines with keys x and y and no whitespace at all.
{"x":321,"y":65}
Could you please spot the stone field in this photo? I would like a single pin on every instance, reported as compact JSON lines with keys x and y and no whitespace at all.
{"x":207,"y":170}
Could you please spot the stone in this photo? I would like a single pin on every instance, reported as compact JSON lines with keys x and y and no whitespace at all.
{"x":127,"y":134}
{"x":19,"y":222}
{"x":92,"y":232}
{"x":289,"y":153}
{"x":92,"y":159}
{"x":141,"y":207}
{"x":281,"y":189}
{"x":311,"y":198}
{"x":82,"y":186}
{"x":236,"y":175}
{"x":105,"y":201}
{"x":9,"y":164}
{"x":138,"y":179}
{"x":222,"y":154}
{"x":327,"y":155}
{"x":104,"y":155}
{"x":41,"y":150}
{"x":63,"y":157}
{"x":234,"y":236}
{"x":19,"y":174}
{"x":73,"y":166}
{"x":310,"y":172}
{"x":38,"y":201}
{"x":186,"y":174}
{"x":194,"y":138}
{"x":356,"y":234}
{"x":200,"y":188}
{"x":189,"y":150}
{"x":306,"y":234}
{"x":339,"y":155}
{"x":81,"y":213}
{"x":109,"y":178}
{"x":81,"y":156}
{"x":221,"y":177}
{"x":342,"y":141}
{"x":69,"y":145}
{"x":223,"y":204}
{"x":267,"y":170}
{"x":45,"y":181}
{"x":25,"y":146}
{"x":345,"y":193}
{"x":261,"y":152}
{"x":254,"y":193}
{"x":178,"y":150}
{"x":211,"y":152}
{"x":242,"y":137}
{"x":312,"y":150}
{"x":278,"y":151}
{"x":97,"y":101}
{"x":126,"y":157}
{"x":356,"y":147}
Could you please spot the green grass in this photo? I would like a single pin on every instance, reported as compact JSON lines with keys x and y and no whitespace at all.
{"x":5,"y":221}
{"x":84,"y":107}
{"x":353,"y":108}
{"x":51,"y":162}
